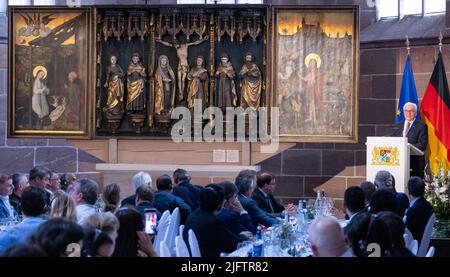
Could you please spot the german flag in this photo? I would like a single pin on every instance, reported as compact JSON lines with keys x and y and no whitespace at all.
{"x":435,"y":110}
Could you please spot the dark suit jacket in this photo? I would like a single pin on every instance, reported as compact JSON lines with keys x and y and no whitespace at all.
{"x":130,"y":200}
{"x":402,"y":203}
{"x":417,"y":136}
{"x":259,"y":198}
{"x":14,"y":200}
{"x":167,"y":201}
{"x":417,"y":217}
{"x":235,"y":222}
{"x":258,"y":216}
{"x":189,"y":193}
{"x":212,"y":235}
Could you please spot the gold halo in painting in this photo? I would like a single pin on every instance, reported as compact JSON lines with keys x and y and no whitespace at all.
{"x":313,"y":56}
{"x":37,"y":69}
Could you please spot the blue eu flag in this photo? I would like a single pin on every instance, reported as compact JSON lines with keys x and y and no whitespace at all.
{"x":408,"y":92}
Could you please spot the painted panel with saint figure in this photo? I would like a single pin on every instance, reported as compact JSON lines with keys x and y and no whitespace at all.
{"x":48,"y":87}
{"x":315,"y":80}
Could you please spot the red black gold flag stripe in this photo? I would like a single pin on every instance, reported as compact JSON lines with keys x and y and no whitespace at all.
{"x":435,"y":110}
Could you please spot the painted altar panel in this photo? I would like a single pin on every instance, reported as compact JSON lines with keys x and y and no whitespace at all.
{"x":49,"y":64}
{"x":316,"y":74}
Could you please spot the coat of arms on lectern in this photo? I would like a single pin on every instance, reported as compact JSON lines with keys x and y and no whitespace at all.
{"x":385,"y":156}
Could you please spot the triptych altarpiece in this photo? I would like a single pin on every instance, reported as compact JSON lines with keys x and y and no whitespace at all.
{"x":98,"y":72}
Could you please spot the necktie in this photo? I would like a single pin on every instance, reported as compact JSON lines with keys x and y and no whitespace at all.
{"x":408,"y":126}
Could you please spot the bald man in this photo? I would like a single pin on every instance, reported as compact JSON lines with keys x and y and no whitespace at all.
{"x":327,"y":238}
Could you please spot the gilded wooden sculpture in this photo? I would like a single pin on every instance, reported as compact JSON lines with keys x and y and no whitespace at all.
{"x":251,"y":83}
{"x":198,"y":84}
{"x":164,"y":90}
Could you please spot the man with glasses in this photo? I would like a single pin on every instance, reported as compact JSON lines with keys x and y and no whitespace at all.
{"x":54,"y":183}
{"x":417,"y":134}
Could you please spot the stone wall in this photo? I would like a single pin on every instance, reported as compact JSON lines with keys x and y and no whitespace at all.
{"x":299,"y":170}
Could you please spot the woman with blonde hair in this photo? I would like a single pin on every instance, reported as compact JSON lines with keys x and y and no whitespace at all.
{"x":63,"y":206}
{"x":106,"y":222}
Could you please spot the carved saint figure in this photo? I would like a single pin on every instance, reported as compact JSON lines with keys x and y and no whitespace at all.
{"x":226,"y":92}
{"x":198,"y":84}
{"x":114,"y":83}
{"x":136,"y":85}
{"x":251,"y":83}
{"x":39,"y":102}
{"x":164,"y":87}
{"x":183,"y":66}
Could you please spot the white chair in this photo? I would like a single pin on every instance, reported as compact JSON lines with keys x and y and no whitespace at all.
{"x":163,"y":225}
{"x":193,"y":244}
{"x":413,"y":247}
{"x":425,"y":243}
{"x":181,"y":249}
{"x":430,"y":253}
{"x":408,"y":239}
{"x":172,"y":230}
{"x":180,"y":233}
{"x":164,"y":250}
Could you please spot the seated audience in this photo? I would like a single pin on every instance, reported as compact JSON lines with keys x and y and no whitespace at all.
{"x":85,"y":193}
{"x":165,"y":200}
{"x":385,"y":180}
{"x":383,"y":200}
{"x":24,"y":251}
{"x":67,"y":179}
{"x":327,"y":239}
{"x":111,"y":197}
{"x":184,"y":189}
{"x":233,"y":215}
{"x":97,"y":243}
{"x":263,"y":195}
{"x":396,"y":228}
{"x":55,"y":235}
{"x":39,"y":177}
{"x":365,"y":229}
{"x":212,"y":235}
{"x":144,"y":200}
{"x":353,"y":201}
{"x":419,"y":211}
{"x":131,"y":240}
{"x":63,"y":206}
{"x":20,"y":182}
{"x":245,"y":183}
{"x":368,"y":189}
{"x":33,"y":205}
{"x":139,"y":179}
{"x":6,"y":189}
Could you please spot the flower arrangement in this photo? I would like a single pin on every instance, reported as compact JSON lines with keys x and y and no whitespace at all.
{"x":285,"y":235}
{"x":437,"y":192}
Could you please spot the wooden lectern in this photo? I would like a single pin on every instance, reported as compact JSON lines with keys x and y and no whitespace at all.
{"x":391,"y":154}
